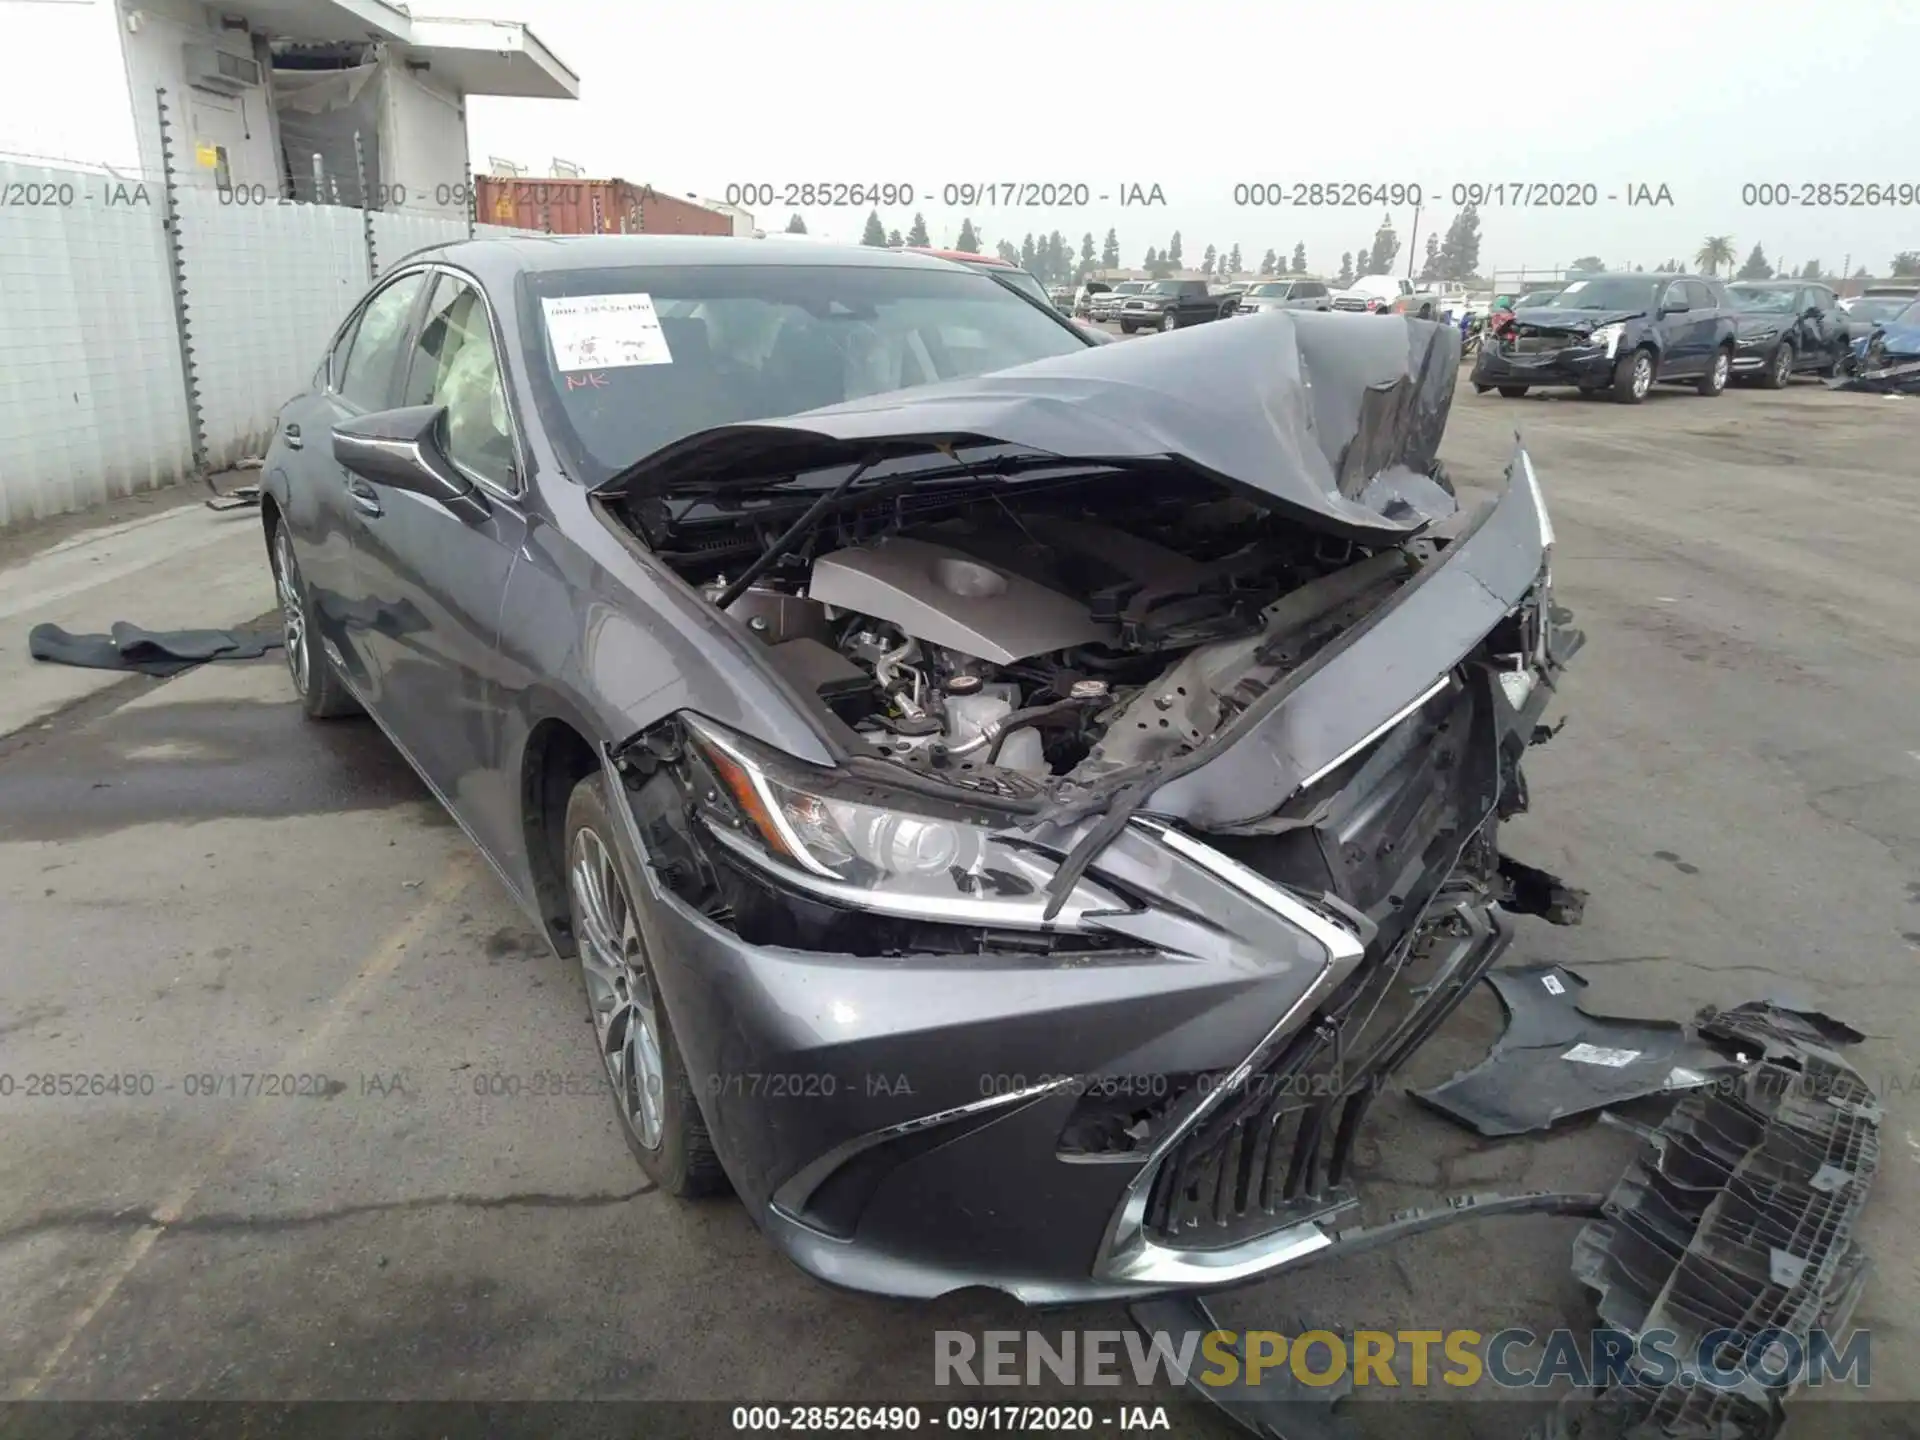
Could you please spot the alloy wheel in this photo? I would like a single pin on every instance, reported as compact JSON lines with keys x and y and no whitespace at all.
{"x":1721,"y":364}
{"x":1782,"y":366}
{"x":293,"y":611}
{"x":619,"y":987}
{"x":1642,"y":375}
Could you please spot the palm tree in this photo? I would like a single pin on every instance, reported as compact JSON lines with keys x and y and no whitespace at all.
{"x":1714,"y":251}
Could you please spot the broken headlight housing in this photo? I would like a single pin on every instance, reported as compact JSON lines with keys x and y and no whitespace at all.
{"x":847,"y":842}
{"x":1608,"y":337}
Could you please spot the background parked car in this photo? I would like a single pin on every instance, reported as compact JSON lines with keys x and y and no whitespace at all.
{"x":1620,"y":333}
{"x":1786,"y":327}
{"x":1172,"y":304}
{"x":1863,"y":312}
{"x":1106,"y":305}
{"x":1083,"y":297}
{"x":1285,"y":295}
{"x":1887,"y":359}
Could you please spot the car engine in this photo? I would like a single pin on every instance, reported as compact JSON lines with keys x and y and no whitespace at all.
{"x":1046,"y":642}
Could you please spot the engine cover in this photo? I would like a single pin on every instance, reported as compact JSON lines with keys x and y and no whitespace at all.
{"x":940,"y":596}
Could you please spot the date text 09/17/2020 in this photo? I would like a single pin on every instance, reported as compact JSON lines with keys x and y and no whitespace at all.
{"x":1481,"y":194}
{"x":954,"y":194}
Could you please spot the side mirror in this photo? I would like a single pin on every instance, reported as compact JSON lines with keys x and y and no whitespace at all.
{"x":1675,"y":305}
{"x":402,"y":450}
{"x":1814,"y":312}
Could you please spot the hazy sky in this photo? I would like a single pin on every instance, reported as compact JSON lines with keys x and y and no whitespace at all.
{"x":1702,"y":98}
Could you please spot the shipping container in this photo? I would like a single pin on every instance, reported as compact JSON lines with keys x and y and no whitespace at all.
{"x":590,"y":207}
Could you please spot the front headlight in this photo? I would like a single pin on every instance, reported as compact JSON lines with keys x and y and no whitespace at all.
{"x":1755,"y":337}
{"x":843,"y":841}
{"x":1607,"y":336}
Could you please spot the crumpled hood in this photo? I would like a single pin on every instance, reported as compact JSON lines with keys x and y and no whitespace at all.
{"x":1573,"y":322}
{"x":1331,"y":422}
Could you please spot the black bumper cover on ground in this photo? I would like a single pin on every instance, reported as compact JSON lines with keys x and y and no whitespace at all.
{"x":1737,"y":1215}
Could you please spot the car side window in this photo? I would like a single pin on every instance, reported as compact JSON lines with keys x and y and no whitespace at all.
{"x":376,"y":344}
{"x":1700,"y":296}
{"x":334,"y":368}
{"x":454,"y":364}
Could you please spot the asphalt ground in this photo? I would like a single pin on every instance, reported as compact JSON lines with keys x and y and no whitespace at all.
{"x":199,"y":887}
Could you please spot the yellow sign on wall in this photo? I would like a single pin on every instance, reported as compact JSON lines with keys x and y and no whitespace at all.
{"x":208,"y":156}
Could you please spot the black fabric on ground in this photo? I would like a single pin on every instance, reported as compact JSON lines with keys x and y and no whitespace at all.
{"x":148,"y":652}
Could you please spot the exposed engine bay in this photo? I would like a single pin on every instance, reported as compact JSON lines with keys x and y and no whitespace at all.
{"x":1060,"y":628}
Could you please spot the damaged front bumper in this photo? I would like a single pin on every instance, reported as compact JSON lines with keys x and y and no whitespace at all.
{"x":1166,"y":1092}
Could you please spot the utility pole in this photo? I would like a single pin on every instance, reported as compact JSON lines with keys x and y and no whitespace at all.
{"x":1413,"y":242}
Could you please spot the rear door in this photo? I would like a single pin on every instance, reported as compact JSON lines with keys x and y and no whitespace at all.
{"x":437,"y":580}
{"x":326,"y":504}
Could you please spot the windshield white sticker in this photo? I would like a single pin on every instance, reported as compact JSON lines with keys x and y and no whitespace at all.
{"x":1585,"y":1054}
{"x":1552,"y":982}
{"x":604,"y":332}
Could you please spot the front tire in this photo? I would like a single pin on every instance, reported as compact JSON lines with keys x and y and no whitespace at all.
{"x":1127,"y":327}
{"x":652,"y":1098}
{"x":1779,"y":367}
{"x":1169,"y":321}
{"x":1633,"y":377}
{"x":323,"y":694}
{"x":1718,"y":369}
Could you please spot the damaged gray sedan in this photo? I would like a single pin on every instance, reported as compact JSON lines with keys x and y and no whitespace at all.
{"x":1012,"y":801}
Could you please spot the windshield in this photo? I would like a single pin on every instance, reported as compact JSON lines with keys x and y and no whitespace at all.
{"x":626,"y":360}
{"x":1609,"y":292}
{"x":1129,"y":287}
{"x":1164,"y":287}
{"x":1909,"y":316}
{"x":1277,"y":291}
{"x":1763,"y":302}
{"x":1879,"y":307}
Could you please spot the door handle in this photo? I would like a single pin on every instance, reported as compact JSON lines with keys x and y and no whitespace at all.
{"x":363,"y":497}
{"x":292,"y":434}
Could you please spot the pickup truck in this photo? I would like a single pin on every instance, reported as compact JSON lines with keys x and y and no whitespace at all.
{"x":1375,"y":294}
{"x":1172,"y":305}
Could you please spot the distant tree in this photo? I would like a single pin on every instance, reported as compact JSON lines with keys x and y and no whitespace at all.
{"x":1110,"y":252}
{"x":1299,"y":265}
{"x":795,"y":225}
{"x":1430,"y":267}
{"x":1147,"y":261}
{"x":969,"y":240}
{"x":893,"y":238}
{"x":1025,"y":253}
{"x":1907,"y":262}
{"x":917,"y":232}
{"x":1714,"y":251}
{"x":1386,"y":245}
{"x":1639,"y":269}
{"x":1460,"y":250}
{"x":1087,"y":256}
{"x":1269,"y":263}
{"x":1345,"y":277}
{"x":1060,"y":254}
{"x":1233,"y":261}
{"x":1208,"y":259}
{"x":1363,"y":263}
{"x":1811,"y":270}
{"x":1756,"y":267}
{"x":1007,"y":251}
{"x":1172,"y":256}
{"x":875,"y":233}
{"x":1667,"y":267}
{"x":1587,"y":265}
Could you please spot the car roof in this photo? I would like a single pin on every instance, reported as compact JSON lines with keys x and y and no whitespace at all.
{"x":499,"y":258}
{"x":1773,"y":284}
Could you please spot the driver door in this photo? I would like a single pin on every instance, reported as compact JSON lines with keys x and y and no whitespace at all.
{"x":436,"y":580}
